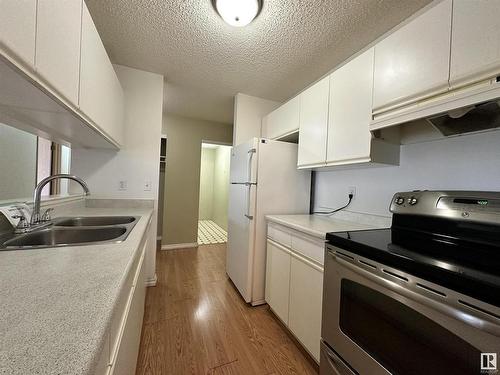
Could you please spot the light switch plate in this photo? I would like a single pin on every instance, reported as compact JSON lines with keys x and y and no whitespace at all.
{"x":147,"y":186}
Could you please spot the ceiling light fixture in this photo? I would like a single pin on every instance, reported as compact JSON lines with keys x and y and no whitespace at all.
{"x":238,"y":12}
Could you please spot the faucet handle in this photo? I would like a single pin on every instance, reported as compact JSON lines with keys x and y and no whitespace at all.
{"x":23,"y":223}
{"x":46,"y":215}
{"x":20,"y":209}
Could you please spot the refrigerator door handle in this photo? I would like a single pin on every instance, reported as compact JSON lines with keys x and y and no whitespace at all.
{"x":244,"y":183}
{"x":247,"y":215}
{"x":251,"y":152}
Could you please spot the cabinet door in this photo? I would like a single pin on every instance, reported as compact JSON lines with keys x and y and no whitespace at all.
{"x":475,"y":43}
{"x":283,"y":120}
{"x":57,"y":58}
{"x":128,"y":349}
{"x":278,"y":279}
{"x":17,"y":30}
{"x":306,"y":298}
{"x":413,"y":62}
{"x":313,"y":124}
{"x":350,"y":110}
{"x":101,"y":95}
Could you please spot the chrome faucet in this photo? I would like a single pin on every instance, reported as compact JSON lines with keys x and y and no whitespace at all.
{"x":36,"y":219}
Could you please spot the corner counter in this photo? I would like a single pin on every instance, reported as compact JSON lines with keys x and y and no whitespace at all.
{"x":295,"y":254}
{"x":65,"y":310}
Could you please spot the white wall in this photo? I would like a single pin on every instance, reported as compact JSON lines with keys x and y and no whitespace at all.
{"x":470,"y":162}
{"x":182,"y":175}
{"x":44,"y":162}
{"x":214,"y":184}
{"x":206,"y":204}
{"x":248,"y":113}
{"x":137,"y":161}
{"x":17,"y":163}
{"x":221,"y":185}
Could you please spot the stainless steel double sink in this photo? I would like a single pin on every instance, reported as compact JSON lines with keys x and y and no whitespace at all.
{"x":73,"y":231}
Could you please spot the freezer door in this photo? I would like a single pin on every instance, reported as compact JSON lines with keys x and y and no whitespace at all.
{"x":240,"y":241}
{"x":244,"y":162}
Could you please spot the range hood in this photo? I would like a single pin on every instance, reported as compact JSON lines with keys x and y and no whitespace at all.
{"x":460,"y":110}
{"x":468,"y":119}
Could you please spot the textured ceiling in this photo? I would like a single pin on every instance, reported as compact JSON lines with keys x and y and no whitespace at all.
{"x":206,"y":62}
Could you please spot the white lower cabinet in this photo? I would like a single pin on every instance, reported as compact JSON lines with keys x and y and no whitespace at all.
{"x":278,"y":279}
{"x":294,"y":286}
{"x":119,"y":355}
{"x":306,"y":297}
{"x":127,"y":348}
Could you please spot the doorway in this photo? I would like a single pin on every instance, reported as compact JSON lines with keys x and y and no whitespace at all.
{"x":214,"y":187}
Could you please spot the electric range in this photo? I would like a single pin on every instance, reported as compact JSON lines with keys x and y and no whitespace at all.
{"x":420,"y":297}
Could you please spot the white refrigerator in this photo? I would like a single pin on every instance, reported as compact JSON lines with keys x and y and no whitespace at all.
{"x":264,"y":180}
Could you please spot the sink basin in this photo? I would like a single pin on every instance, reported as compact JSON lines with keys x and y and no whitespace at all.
{"x":72,"y":231}
{"x":94,"y":221}
{"x":54,"y":236}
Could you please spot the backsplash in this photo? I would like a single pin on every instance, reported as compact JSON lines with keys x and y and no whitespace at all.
{"x":469,"y":162}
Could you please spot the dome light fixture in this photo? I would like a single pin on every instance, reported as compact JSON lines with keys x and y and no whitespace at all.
{"x":237,"y":13}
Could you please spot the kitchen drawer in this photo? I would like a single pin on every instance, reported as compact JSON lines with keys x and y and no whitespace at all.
{"x":313,"y":248}
{"x":279,"y":234}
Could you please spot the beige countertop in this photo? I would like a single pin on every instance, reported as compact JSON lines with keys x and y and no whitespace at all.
{"x":319,"y":226}
{"x":57,"y":303}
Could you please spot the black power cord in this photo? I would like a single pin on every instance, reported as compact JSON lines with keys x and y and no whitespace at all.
{"x":336,"y":210}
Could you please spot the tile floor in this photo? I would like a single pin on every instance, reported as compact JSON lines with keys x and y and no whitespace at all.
{"x":210,"y":233}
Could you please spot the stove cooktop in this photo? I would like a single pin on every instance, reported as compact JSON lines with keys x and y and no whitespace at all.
{"x":466,"y":264}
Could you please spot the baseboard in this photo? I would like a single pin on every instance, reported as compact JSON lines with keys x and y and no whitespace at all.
{"x":179,"y":246}
{"x":152,"y":281}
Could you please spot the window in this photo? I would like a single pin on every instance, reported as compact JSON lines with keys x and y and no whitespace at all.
{"x":25,"y":160}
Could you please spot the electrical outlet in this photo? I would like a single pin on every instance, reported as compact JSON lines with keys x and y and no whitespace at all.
{"x":122,"y":185}
{"x":352,"y":190}
{"x":147,"y":186}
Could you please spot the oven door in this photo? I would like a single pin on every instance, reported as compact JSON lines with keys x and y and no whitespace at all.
{"x":382,"y":321}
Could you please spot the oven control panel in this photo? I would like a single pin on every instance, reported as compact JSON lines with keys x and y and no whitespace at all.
{"x":473,"y":205}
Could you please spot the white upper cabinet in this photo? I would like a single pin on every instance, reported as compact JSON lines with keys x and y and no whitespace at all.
{"x":313,"y":124}
{"x":475,"y":43}
{"x":413,"y":62}
{"x":349,"y":137}
{"x":17,"y":30}
{"x":57,"y":59}
{"x":101,"y":95}
{"x":282,"y":121}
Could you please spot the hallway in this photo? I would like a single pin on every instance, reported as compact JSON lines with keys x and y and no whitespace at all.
{"x":196,"y":323}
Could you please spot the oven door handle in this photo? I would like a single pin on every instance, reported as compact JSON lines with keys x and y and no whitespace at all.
{"x":467,"y":317}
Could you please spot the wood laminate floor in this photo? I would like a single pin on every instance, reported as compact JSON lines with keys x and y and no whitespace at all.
{"x":196,"y":323}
